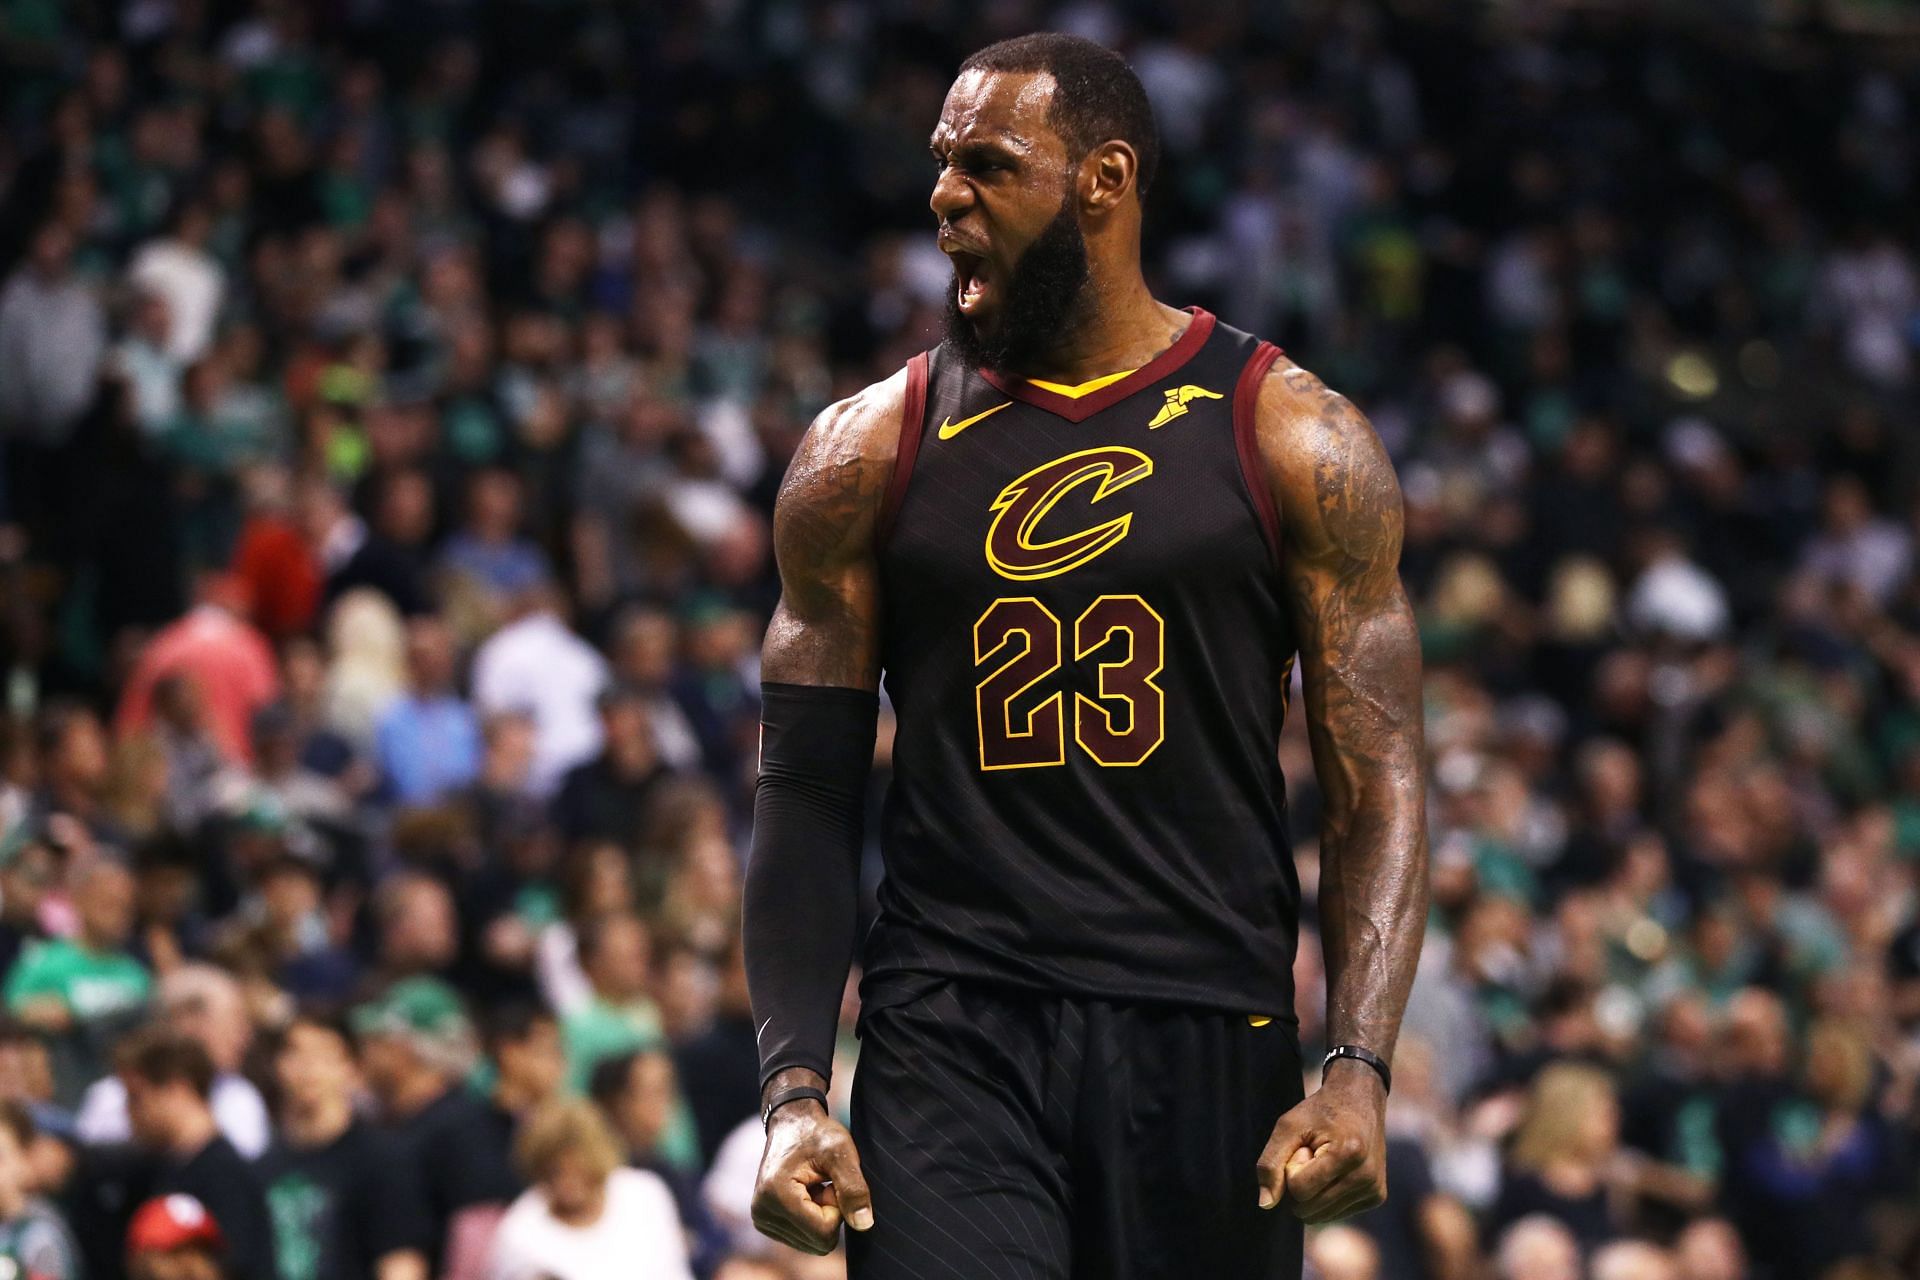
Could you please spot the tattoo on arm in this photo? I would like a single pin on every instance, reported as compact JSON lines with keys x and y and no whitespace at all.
{"x":825,"y":630}
{"x":1341,"y":518}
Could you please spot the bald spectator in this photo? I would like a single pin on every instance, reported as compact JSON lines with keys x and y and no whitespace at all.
{"x":1709,"y":1249}
{"x":1632,"y":1260}
{"x":1537,"y":1248}
{"x":1342,"y":1253}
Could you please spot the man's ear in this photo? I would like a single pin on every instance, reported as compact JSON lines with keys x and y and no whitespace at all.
{"x":1107,"y":176}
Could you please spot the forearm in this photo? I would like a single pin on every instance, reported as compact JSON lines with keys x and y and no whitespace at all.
{"x":1373,"y":843}
{"x":801,"y":896}
{"x":1373,"y":910}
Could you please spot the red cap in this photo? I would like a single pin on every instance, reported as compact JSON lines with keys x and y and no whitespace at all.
{"x":167,"y":1223}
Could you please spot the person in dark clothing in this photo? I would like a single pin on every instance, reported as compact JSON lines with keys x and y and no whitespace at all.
{"x":718,"y":1076}
{"x":1806,"y":1164}
{"x":606,"y":798}
{"x":392,"y":557}
{"x":1404,"y":1228}
{"x":417,"y":1047}
{"x":522,"y":1042}
{"x":330,"y":1176}
{"x":1558,"y":1162}
{"x":169,"y":1081}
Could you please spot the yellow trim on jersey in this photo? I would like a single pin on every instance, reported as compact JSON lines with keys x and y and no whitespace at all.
{"x":1085,"y":388}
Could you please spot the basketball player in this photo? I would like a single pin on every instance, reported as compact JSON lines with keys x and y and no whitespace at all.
{"x":1085,"y":540}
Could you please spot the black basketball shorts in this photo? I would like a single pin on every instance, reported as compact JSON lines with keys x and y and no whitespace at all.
{"x":1014,"y":1136}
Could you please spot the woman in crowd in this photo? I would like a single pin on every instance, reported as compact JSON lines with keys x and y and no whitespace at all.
{"x":586,"y":1216}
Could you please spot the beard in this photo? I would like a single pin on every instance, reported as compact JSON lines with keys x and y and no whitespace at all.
{"x":1040,"y":300}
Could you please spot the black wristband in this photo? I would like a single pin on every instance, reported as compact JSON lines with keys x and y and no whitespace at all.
{"x":782,"y":1097}
{"x":1358,"y":1054}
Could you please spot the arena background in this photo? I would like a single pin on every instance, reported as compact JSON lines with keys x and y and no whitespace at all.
{"x":393,"y":396}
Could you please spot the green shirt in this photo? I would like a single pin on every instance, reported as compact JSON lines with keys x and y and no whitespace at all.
{"x":601,"y":1031}
{"x":91,"y":984}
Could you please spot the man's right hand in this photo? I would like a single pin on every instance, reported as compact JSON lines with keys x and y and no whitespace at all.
{"x":809,"y":1180}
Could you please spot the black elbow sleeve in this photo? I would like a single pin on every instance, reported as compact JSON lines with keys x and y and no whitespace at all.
{"x":803,"y":869}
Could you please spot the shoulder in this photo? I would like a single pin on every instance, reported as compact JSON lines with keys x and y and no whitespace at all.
{"x":640,"y":1188}
{"x":1331,"y":476}
{"x":837,"y":482}
{"x":861,"y":432}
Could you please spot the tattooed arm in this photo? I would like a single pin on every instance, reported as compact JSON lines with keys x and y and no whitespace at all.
{"x":1340,"y":525}
{"x":819,"y":668}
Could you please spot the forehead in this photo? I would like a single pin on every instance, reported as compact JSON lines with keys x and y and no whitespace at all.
{"x":1008,"y":107}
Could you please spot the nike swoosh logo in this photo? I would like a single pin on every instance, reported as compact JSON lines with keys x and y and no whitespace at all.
{"x":949,"y":429}
{"x":762,"y":1031}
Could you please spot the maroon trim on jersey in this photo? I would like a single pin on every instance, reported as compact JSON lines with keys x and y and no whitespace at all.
{"x":913,"y":424}
{"x":1246,"y":442}
{"x":1184,"y":348}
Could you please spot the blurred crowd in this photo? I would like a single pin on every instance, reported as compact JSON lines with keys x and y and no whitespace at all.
{"x":393,"y":396}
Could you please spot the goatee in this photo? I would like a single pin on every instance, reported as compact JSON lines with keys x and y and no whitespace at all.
{"x":1041,"y":297}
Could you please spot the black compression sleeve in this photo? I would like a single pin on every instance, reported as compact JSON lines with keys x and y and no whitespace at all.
{"x":803,"y":871}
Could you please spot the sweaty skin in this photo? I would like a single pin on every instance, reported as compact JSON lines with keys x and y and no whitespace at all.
{"x":1003,"y":173}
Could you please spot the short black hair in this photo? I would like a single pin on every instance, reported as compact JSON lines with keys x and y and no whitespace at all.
{"x":1096,"y":96}
{"x":160,"y":1055}
{"x":513,"y":1022}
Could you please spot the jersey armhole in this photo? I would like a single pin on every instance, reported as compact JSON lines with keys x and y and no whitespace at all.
{"x":913,"y":416}
{"x":1246,"y":442}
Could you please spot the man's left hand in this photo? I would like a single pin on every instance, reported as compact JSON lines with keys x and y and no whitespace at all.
{"x":1327,"y":1158}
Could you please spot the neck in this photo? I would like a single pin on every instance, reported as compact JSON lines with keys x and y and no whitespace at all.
{"x":317,"y":1123}
{"x":514,"y":1098}
{"x":588,"y":1213}
{"x":415,"y":1092}
{"x":1121,"y":326}
{"x":195,"y":1131}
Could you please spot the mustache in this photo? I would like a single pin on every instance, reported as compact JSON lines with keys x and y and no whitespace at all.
{"x":1040,"y":299}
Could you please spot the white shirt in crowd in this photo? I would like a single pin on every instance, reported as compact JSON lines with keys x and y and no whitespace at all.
{"x":636,"y":1237}
{"x":538,"y":666}
{"x":238,"y":1109}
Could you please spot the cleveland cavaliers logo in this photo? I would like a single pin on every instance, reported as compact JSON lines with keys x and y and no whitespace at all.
{"x":1015,"y":548}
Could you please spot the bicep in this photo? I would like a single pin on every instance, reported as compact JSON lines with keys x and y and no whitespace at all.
{"x":826,"y":628}
{"x":1341,"y":522}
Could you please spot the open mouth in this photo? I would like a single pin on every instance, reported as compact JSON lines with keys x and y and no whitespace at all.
{"x":970,"y":281}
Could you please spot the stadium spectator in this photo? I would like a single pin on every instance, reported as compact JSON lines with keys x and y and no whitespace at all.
{"x":416,"y":1048}
{"x":174,"y":1237}
{"x":606,"y":798}
{"x":428,"y":743}
{"x":1562,"y":1156}
{"x":1629,"y":292}
{"x":339,"y":1207}
{"x":168,"y":1078}
{"x":584,"y":1215}
{"x":202,"y":1003}
{"x":33,"y":1236}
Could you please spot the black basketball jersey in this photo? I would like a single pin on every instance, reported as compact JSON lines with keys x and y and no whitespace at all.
{"x":1085,"y":645}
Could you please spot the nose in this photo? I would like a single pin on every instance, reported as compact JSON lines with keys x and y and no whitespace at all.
{"x":951,"y":195}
